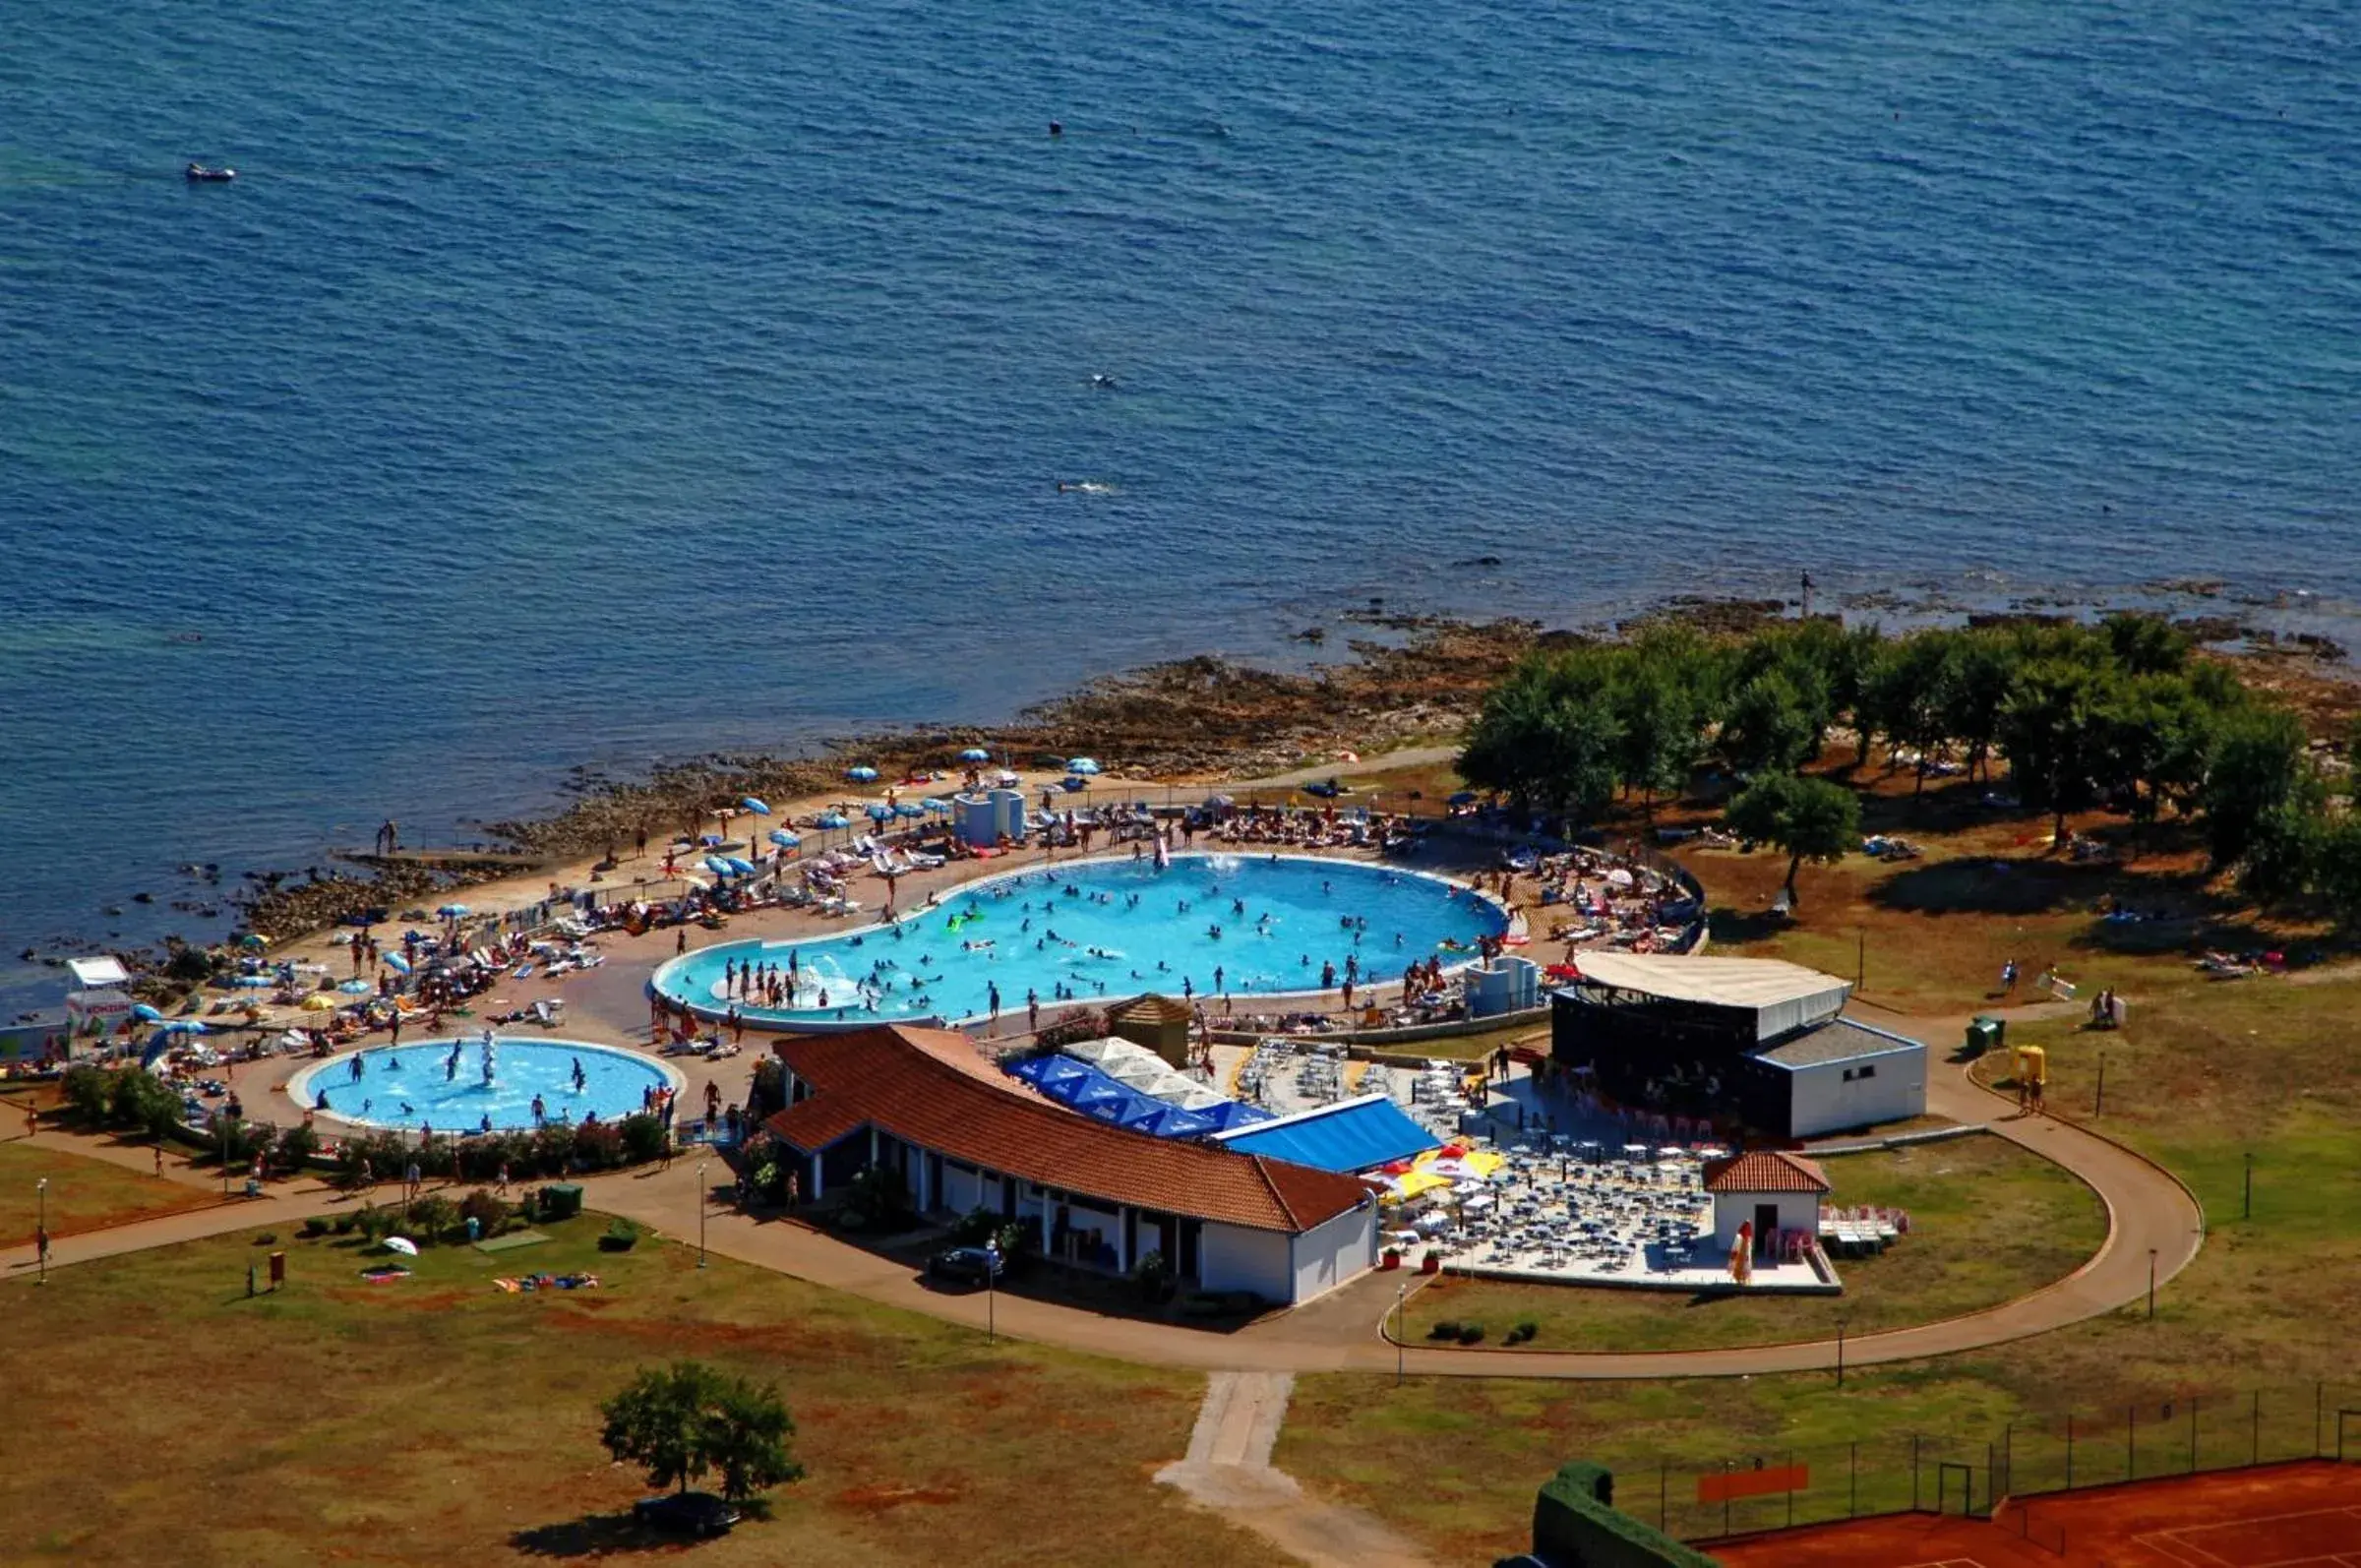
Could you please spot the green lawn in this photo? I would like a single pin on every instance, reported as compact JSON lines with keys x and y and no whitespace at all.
{"x":1989,"y":1223}
{"x":2205,"y":1072}
{"x":159,"y":1416}
{"x":83,"y":1193}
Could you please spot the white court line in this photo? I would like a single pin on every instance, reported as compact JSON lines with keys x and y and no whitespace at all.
{"x":2155,"y":1542}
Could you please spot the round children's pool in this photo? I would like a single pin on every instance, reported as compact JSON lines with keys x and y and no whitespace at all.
{"x":445,"y":1084}
{"x":1245,"y":926}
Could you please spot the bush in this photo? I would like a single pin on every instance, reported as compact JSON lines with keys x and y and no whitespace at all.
{"x":86,"y":1094}
{"x":1444,"y":1329}
{"x":975,"y":1227}
{"x":343,"y":1225}
{"x":1525,"y":1330}
{"x":621,"y":1237}
{"x":315,"y":1227}
{"x":486,"y":1209}
{"x":375,"y":1224}
{"x":551,"y":1150}
{"x":267,"y":1239}
{"x":644,"y":1137}
{"x":598,"y":1146}
{"x":1153,"y":1276}
{"x":296,"y":1146}
{"x":1471,"y":1334}
{"x":433,"y":1219}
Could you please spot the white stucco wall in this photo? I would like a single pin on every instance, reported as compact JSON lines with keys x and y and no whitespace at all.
{"x":1331,"y":1253}
{"x":1822,"y":1099}
{"x":1230,"y":1257}
{"x":1797,"y":1211}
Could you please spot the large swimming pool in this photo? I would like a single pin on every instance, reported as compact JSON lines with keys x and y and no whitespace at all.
{"x":1252,"y":925}
{"x":427,"y":1085}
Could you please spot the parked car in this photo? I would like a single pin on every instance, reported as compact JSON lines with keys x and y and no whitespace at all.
{"x":686,"y":1513}
{"x":974,"y":1264}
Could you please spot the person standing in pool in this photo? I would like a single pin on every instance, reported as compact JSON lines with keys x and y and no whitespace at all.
{"x":579,"y":1075}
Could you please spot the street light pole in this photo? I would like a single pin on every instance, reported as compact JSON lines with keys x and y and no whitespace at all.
{"x":2152,"y":1284}
{"x":1401,"y":1306}
{"x":700,"y":1214}
{"x":42,"y":1194}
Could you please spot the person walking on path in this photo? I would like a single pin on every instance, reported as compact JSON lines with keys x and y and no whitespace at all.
{"x":2008,"y":978}
{"x":158,"y":1152}
{"x":41,"y":1245}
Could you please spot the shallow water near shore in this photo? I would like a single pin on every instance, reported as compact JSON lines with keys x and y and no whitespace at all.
{"x":561,"y":389}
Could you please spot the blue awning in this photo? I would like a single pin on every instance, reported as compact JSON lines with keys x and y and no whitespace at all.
{"x":1358,"y":1135}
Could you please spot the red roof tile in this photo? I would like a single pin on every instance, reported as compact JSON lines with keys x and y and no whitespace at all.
{"x":1765,"y":1171}
{"x":923,"y":1086}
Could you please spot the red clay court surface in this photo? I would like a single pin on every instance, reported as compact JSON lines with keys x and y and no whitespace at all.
{"x":2281,"y":1516}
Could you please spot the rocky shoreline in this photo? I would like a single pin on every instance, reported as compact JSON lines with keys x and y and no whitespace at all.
{"x":1414,"y":678}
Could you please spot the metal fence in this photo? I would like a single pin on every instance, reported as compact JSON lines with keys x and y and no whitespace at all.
{"x":1777,"y":1487}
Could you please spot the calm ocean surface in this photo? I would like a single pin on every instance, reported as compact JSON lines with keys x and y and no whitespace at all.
{"x":580,"y":386}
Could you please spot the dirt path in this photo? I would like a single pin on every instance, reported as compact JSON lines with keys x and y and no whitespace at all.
{"x":1228,"y":1468}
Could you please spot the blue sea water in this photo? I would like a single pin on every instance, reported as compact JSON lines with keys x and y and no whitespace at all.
{"x":1250,"y":926}
{"x":584,"y":384}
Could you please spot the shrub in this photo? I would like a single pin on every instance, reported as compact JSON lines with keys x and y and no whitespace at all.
{"x":975,"y":1227}
{"x":316,"y":1226}
{"x":598,"y":1146}
{"x":86,"y":1094}
{"x":553,"y":1149}
{"x":880,"y":1197}
{"x":375,"y":1224}
{"x":1152,"y":1275}
{"x":1444,"y":1329}
{"x":644,"y":1137}
{"x":1471,"y":1334}
{"x":485,"y":1209}
{"x":296,"y":1146}
{"x":621,"y":1237}
{"x":343,"y":1225}
{"x":267,"y":1239}
{"x":1525,"y":1330}
{"x":433,"y":1219}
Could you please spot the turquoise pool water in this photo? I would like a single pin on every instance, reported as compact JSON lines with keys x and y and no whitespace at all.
{"x":422,"y":1085}
{"x":1253,"y":925}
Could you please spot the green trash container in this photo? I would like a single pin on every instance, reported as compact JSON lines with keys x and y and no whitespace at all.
{"x":1984,"y":1034}
{"x":560,"y":1201}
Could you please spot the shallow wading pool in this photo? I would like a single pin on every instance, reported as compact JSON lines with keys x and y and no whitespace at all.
{"x":427,"y":1085}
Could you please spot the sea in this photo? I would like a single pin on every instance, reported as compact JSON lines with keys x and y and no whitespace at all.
{"x":580,"y":386}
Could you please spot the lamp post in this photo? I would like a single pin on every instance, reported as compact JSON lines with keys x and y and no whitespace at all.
{"x":700,"y":1214}
{"x":2152,"y":1284}
{"x":41,"y":1190}
{"x":1401,"y":1305}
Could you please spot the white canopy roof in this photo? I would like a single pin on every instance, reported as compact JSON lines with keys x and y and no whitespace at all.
{"x":1782,"y":995}
{"x":93,"y":972}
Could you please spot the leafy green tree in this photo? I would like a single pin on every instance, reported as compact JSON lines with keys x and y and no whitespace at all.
{"x":1806,"y":819}
{"x":1660,"y":723}
{"x":2055,"y":734}
{"x":1769,"y":728}
{"x":2146,"y":645}
{"x":682,"y":1421}
{"x":1547,"y":735}
{"x":657,"y":1422}
{"x":2258,"y":764}
{"x":2282,"y":852}
{"x":1911,"y":693}
{"x":746,"y":1432}
{"x":2160,"y":733}
{"x":1985,"y":673}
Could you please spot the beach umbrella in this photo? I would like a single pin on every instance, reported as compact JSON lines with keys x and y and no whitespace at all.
{"x":356,"y":988}
{"x":784,"y":839}
{"x":451,"y":911}
{"x":905,"y":808}
{"x":398,"y":964}
{"x":718,"y":864}
{"x":879,"y":812}
{"x":742,"y":866}
{"x":401,"y":1244}
{"x":975,"y":754}
{"x":832,"y":819}
{"x":863,"y":774}
{"x":940,"y":808}
{"x":711,"y":840}
{"x":317,"y":1001}
{"x":146,"y":1014}
{"x":1084,"y":765}
{"x":755,"y":805}
{"x":254,"y":940}
{"x":185,"y":1026}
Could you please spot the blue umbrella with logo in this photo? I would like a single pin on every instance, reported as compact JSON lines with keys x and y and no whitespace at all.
{"x":1085,"y":767}
{"x":784,"y":839}
{"x":864,"y":774}
{"x":975,"y":754}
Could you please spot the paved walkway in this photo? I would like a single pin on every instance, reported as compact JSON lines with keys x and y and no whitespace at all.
{"x":1228,"y":1468}
{"x":2148,"y":1211}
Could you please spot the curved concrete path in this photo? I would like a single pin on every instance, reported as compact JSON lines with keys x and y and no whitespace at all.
{"x":2146,"y":1211}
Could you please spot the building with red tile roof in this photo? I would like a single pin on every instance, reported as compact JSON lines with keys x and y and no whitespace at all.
{"x":1768,"y":1189}
{"x":926,"y":1103}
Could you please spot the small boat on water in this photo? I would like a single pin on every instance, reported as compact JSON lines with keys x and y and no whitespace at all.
{"x":204,"y":174}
